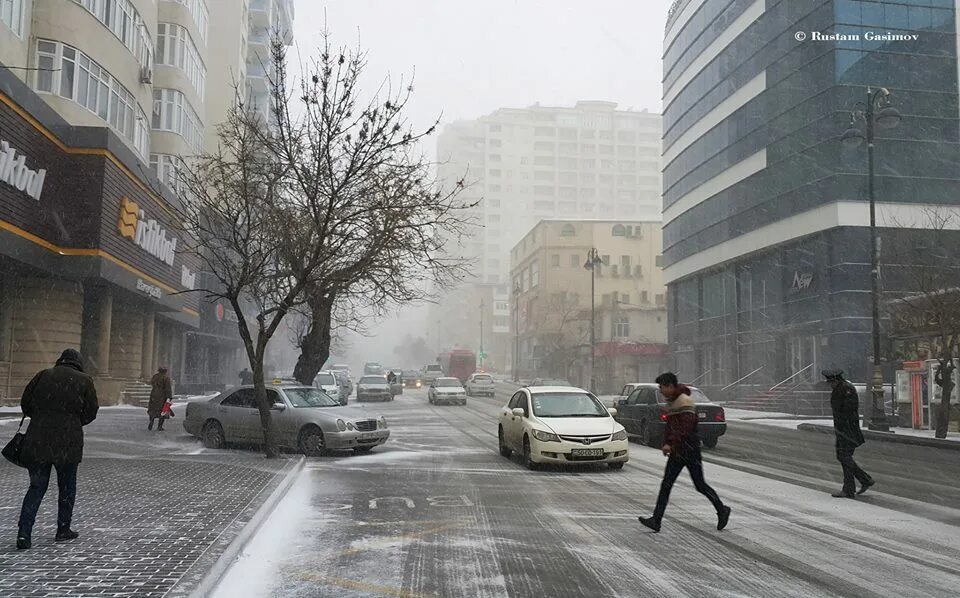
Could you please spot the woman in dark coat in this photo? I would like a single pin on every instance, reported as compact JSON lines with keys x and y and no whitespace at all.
{"x":162,"y":389}
{"x":59,"y":401}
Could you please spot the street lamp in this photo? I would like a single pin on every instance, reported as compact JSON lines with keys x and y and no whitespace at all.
{"x":516,"y":329}
{"x":876,"y":112}
{"x":592,"y":263}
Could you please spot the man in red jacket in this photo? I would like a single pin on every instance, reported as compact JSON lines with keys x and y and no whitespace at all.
{"x":681,"y":445}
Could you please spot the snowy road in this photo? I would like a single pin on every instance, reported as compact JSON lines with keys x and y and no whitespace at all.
{"x":438,"y":512}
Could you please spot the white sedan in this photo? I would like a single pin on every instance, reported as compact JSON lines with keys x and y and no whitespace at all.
{"x":561,"y":425}
{"x":447,"y":390}
{"x":480,"y":384}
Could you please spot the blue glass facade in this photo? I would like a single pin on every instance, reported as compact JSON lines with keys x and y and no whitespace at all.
{"x":756,"y":311}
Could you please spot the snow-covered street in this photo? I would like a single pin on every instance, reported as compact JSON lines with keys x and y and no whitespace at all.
{"x":437,"y":512}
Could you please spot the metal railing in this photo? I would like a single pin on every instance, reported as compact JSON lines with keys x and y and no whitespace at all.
{"x":792,"y":376}
{"x":694,"y":381}
{"x":741,"y":379}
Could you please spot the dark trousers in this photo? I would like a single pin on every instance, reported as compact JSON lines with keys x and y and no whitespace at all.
{"x":39,"y":480}
{"x":694,"y":464}
{"x":851,"y":470}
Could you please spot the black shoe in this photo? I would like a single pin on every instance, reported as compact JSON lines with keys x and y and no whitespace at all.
{"x":150,"y":426}
{"x":843,"y":494}
{"x":866,"y":486}
{"x":723,"y":517}
{"x":650,"y":522}
{"x":23,"y":543}
{"x":66,"y":534}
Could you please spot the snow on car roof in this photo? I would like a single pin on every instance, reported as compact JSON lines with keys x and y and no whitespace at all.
{"x":551,"y":389}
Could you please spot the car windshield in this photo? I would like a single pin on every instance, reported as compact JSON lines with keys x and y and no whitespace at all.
{"x":373,"y":380}
{"x":409,"y":374}
{"x":326,"y":379}
{"x":447,"y":383}
{"x":562,"y":404}
{"x":482,"y":378}
{"x":434,"y":368}
{"x":309,"y":397}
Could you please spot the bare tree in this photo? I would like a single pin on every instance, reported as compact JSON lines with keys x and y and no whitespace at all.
{"x":564,"y":326}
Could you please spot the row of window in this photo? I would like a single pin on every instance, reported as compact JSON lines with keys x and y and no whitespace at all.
{"x":11,"y":15}
{"x":172,"y":112}
{"x":169,"y":170}
{"x":120,"y":17}
{"x":175,"y":47}
{"x":201,"y":16}
{"x":545,"y":175}
{"x":595,"y":132}
{"x":71,"y":74}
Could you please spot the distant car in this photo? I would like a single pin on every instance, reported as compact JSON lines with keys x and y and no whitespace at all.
{"x":372,"y":368}
{"x":480,"y":384}
{"x":430,"y":373}
{"x":328,"y":383}
{"x":303,"y":418}
{"x":447,"y":390}
{"x":644,"y":414}
{"x":562,"y":425}
{"x":550,"y":382}
{"x":346,"y":384}
{"x":411,"y":379}
{"x":374,"y":388}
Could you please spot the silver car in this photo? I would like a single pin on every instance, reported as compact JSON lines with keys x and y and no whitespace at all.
{"x":374,"y":388}
{"x":303,"y":418}
{"x":328,"y":383}
{"x":447,"y":390}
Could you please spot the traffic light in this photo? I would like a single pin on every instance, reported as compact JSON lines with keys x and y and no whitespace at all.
{"x":482,"y":355}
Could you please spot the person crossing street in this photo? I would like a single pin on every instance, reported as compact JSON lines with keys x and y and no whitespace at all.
{"x":845,"y":405}
{"x":681,"y":445}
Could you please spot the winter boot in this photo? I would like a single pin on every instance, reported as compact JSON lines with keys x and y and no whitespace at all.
{"x":650,"y":522}
{"x":866,"y":486}
{"x":66,"y":534}
{"x":150,"y":425}
{"x":723,"y":517}
{"x":23,"y":542}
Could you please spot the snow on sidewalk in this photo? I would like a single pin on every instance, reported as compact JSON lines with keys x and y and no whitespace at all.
{"x":779,"y":420}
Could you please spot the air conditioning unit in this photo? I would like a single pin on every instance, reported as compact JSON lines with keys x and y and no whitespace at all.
{"x":615,"y":271}
{"x":146,"y":75}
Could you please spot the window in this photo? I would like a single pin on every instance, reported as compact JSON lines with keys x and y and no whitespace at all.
{"x":11,"y":13}
{"x":555,"y":260}
{"x":244,"y":398}
{"x":534,"y":274}
{"x":619,"y":230}
{"x":625,"y":262}
{"x":574,"y":261}
{"x":495,"y":172}
{"x":75,"y":76}
{"x":621,"y":327}
{"x":658,"y":261}
{"x":493,"y":218}
{"x":644,"y":298}
{"x":123,"y":20}
{"x":605,"y":259}
{"x":201,"y":17}
{"x":568,"y":231}
{"x":659,"y":300}
{"x":175,"y":47}
{"x":172,"y":112}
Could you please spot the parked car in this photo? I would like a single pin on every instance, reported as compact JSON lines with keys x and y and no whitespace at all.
{"x":303,"y":418}
{"x":328,"y":383}
{"x":561,"y":425}
{"x":374,"y":388}
{"x":447,"y":390}
{"x":346,"y":384}
{"x":480,"y":384}
{"x":644,"y":414}
{"x":396,"y":387}
{"x":411,"y":379}
{"x":430,"y":373}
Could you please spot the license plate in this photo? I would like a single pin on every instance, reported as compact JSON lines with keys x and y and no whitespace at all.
{"x":702,"y":415}
{"x":369,"y":436}
{"x":597,"y":452}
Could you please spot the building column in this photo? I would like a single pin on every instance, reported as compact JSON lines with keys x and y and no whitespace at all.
{"x":146,"y":356}
{"x":104,"y":324}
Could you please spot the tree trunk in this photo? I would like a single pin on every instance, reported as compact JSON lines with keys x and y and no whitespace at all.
{"x":944,"y":380}
{"x":263,"y":405}
{"x":315,"y":345}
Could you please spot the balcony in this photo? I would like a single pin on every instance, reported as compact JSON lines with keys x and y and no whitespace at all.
{"x":260,"y":14}
{"x":257,"y":77}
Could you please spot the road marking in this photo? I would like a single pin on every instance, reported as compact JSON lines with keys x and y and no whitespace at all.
{"x":390,"y":540}
{"x":363,"y":586}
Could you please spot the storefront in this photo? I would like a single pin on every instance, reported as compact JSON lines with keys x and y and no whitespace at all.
{"x":214,"y":352}
{"x":90,"y":257}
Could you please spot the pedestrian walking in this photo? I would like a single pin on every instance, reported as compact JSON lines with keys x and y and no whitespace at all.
{"x":846,"y":426}
{"x":246,"y":377}
{"x":681,"y":445}
{"x":161,"y":391}
{"x":59,"y":401}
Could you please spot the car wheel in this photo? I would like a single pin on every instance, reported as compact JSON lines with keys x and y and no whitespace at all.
{"x":616,"y":466}
{"x":212,"y":435}
{"x":505,"y":451}
{"x":310,"y":441}
{"x":463,"y":402}
{"x":527,"y":461}
{"x":710,"y":442}
{"x":362,"y":449}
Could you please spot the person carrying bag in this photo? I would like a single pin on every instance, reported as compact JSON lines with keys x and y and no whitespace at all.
{"x":14,"y":449}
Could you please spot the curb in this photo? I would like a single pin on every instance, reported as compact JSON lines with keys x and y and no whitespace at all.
{"x":208,"y":582}
{"x":888,"y":437}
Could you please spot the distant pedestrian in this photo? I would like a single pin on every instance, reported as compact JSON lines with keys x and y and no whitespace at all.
{"x":846,"y":425}
{"x":681,"y":445}
{"x":59,"y":401}
{"x":246,"y":377}
{"x":161,"y":391}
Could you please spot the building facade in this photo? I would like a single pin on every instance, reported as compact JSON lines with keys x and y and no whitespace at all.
{"x":552,"y":290}
{"x":101,"y":101}
{"x":766,"y":212}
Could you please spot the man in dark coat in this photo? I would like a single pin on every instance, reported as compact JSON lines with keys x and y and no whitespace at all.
{"x":59,"y":401}
{"x":246,"y":376}
{"x":846,"y":425}
{"x":161,"y":390}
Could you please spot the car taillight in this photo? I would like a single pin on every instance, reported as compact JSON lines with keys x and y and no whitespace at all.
{"x":719,"y":416}
{"x":663,"y":416}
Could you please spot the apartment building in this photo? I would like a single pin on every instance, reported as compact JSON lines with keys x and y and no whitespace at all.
{"x":552,"y":301}
{"x":99,"y":100}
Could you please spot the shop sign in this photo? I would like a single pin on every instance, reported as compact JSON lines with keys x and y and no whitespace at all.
{"x":225,"y":314}
{"x":14,"y":172}
{"x":187,"y":278}
{"x":149,"y":289}
{"x":146,"y":234}
{"x":801,"y":280}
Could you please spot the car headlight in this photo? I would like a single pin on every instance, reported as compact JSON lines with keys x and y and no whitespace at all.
{"x":341,"y":425}
{"x":350,"y":426}
{"x":620,"y":435}
{"x":382,"y":423}
{"x":545,"y":436}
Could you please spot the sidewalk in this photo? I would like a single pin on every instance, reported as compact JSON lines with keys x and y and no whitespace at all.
{"x":155,"y":512}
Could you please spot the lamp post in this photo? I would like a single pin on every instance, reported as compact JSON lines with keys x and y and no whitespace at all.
{"x":481,"y":333}
{"x":875,"y":112}
{"x":592,"y":263}
{"x":516,"y":329}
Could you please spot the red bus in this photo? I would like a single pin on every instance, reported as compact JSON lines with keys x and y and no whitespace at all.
{"x":459,"y":363}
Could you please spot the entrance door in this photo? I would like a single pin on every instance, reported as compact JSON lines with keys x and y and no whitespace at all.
{"x":803,"y":352}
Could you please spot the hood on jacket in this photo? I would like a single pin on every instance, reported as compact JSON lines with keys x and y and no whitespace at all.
{"x":71,"y":359}
{"x":682,"y":404}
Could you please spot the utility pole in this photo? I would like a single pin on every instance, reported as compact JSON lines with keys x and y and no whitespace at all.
{"x":481,"y":333}
{"x":593,"y":262}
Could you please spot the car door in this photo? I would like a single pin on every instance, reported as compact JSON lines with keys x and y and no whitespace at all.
{"x":628,"y":412}
{"x":513,"y":425}
{"x":238,"y":413}
{"x":648,"y":409}
{"x":282,"y":421}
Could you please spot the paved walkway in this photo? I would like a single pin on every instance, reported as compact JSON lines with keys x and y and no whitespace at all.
{"x":154,"y":510}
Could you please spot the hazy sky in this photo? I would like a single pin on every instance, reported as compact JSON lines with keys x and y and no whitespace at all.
{"x":474,"y":56}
